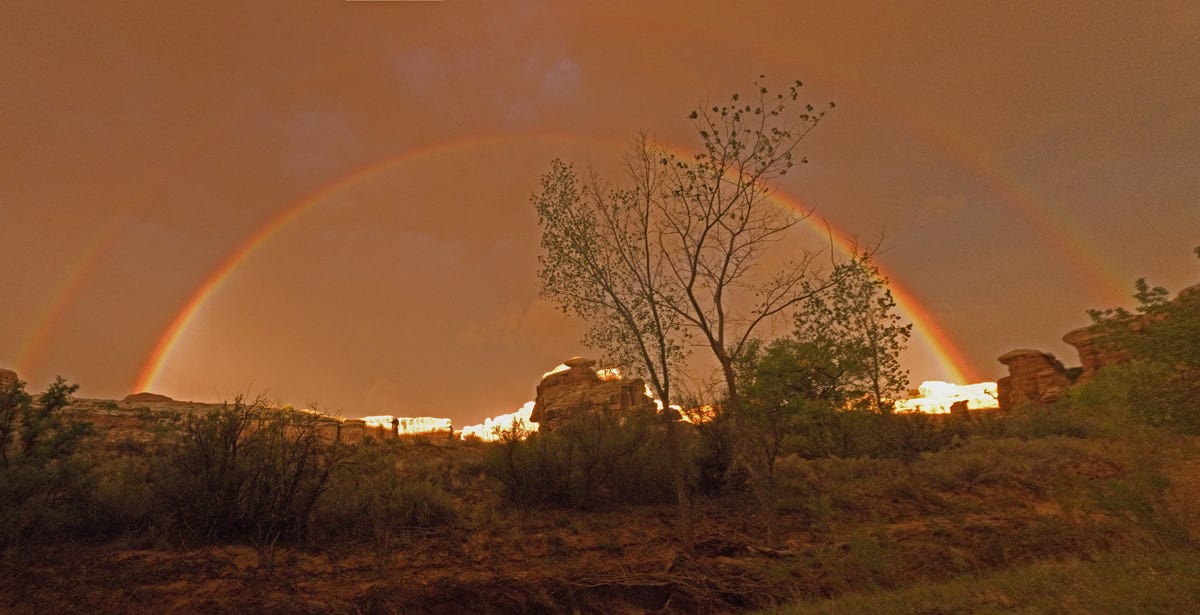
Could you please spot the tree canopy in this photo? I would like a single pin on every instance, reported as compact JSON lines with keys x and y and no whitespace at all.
{"x":670,"y":258}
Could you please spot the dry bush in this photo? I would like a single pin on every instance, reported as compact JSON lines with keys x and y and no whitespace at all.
{"x":592,"y":462}
{"x":370,"y":498}
{"x":245,"y":471}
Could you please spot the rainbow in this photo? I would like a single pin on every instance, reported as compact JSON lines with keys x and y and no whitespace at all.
{"x":31,"y":352}
{"x":167,"y":342}
{"x":949,"y":357}
{"x":936,"y":341}
{"x":1095,"y":269}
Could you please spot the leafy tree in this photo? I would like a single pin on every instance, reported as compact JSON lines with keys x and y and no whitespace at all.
{"x":599,"y":261}
{"x":843,"y":355}
{"x":676,"y":254}
{"x":14,"y":404}
{"x":850,"y":339}
{"x":42,"y":482}
{"x":788,"y":390}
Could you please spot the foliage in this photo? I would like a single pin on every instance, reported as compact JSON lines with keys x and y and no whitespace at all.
{"x":42,"y":480}
{"x":1160,"y":337}
{"x":850,"y":338}
{"x":369,"y":497}
{"x":245,"y":471}
{"x":592,"y":462}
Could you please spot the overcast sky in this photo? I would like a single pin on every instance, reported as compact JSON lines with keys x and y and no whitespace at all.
{"x":1023,"y":161}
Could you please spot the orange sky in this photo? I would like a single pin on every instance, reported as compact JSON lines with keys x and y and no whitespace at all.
{"x":1025,"y":162}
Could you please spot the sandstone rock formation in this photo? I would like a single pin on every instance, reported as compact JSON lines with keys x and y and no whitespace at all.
{"x":564,"y":395}
{"x":1037,"y":377}
{"x":1094,"y":353}
{"x":7,"y":377}
{"x":145,"y":398}
{"x":1033,"y":377}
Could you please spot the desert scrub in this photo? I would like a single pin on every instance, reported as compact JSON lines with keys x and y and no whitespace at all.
{"x":595,"y":461}
{"x":248,"y":472}
{"x":371,"y":498}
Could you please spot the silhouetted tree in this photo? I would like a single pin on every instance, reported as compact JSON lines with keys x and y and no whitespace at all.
{"x":675,"y":254}
{"x":851,"y":339}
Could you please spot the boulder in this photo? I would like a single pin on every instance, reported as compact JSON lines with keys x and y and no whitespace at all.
{"x":579,"y":390}
{"x":1034,"y":377}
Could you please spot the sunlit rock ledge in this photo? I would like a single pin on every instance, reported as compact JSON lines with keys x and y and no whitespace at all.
{"x":409,"y":425}
{"x":937,"y":397}
{"x":491,"y":428}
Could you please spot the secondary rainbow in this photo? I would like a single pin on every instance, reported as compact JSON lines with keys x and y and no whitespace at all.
{"x":939,"y":343}
{"x":33,"y":347}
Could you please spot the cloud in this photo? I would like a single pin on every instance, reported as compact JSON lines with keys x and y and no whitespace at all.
{"x":320,"y":142}
{"x":562,"y":81}
{"x":417,"y":68}
{"x":557,"y":85}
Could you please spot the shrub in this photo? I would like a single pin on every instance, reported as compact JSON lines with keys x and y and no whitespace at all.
{"x":250,"y":472}
{"x":825,"y":432}
{"x":42,"y":479}
{"x":593,"y":461}
{"x":122,"y":500}
{"x":370,"y":499}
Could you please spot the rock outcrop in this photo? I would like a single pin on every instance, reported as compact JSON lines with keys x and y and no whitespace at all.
{"x":578,"y":390}
{"x":7,"y":377}
{"x":1033,"y":377}
{"x":1037,"y":377}
{"x":146,"y":398}
{"x":1094,"y":352}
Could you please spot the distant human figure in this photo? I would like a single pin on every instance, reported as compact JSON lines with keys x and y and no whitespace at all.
{"x":396,"y":427}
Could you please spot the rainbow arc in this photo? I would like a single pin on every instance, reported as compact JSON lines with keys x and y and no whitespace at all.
{"x":928,"y":333}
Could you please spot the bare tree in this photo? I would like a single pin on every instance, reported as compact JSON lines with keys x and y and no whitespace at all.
{"x":677,"y":254}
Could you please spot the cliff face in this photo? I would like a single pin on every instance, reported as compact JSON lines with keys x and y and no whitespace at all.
{"x":564,"y":395}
